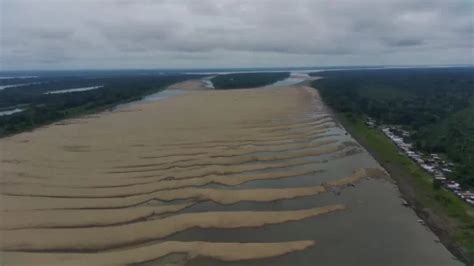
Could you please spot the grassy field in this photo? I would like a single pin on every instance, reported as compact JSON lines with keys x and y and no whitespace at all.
{"x":450,"y":218}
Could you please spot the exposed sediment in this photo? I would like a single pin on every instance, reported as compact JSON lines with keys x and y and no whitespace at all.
{"x":102,"y":217}
{"x":193,"y":249}
{"x":103,"y":238}
{"x":112,"y":189}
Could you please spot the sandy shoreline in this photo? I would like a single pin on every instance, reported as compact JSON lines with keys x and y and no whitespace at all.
{"x":124,"y":183}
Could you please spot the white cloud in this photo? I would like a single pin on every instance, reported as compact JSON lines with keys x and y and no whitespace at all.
{"x":216,"y":33}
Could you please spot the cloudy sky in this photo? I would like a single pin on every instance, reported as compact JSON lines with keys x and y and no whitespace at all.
{"x":58,"y":34}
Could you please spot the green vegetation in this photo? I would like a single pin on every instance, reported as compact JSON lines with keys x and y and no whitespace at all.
{"x":451,"y":218}
{"x":453,"y":136}
{"x":435,"y":105}
{"x":247,"y":80}
{"x":41,"y":108}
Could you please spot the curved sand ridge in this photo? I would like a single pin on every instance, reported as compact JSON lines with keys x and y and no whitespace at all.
{"x":46,"y":203}
{"x":102,"y":238}
{"x":111,"y":189}
{"x":38,"y":190}
{"x":221,"y":251}
{"x":178,"y":165}
{"x":84,"y":218}
{"x":249,"y":146}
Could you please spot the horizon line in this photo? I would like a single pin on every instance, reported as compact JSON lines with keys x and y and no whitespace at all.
{"x":241,"y":68}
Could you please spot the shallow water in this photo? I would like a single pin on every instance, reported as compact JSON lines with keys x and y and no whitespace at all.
{"x":256,"y":142}
{"x":10,"y":112}
{"x":18,"y":77}
{"x":74,"y":90}
{"x":208,"y":82}
{"x":2,"y":87}
{"x":293,"y":79}
{"x":157,"y":96}
{"x":376,"y":229}
{"x":161,"y":95}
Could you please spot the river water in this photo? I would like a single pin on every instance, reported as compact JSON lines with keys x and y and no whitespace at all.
{"x":11,"y":111}
{"x":235,"y":141}
{"x":376,"y":229}
{"x":293,"y":79}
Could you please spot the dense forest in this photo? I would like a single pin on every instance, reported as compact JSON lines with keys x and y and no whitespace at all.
{"x":247,"y":80}
{"x":41,"y":107}
{"x":436,"y":105}
{"x":454,"y":136}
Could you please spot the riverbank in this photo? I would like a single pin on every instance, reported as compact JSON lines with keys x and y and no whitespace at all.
{"x":123,"y":170}
{"x":446,"y":215}
{"x":45,"y":103}
{"x":257,"y":177}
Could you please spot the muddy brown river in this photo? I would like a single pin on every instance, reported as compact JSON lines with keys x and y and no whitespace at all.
{"x":204,"y":177}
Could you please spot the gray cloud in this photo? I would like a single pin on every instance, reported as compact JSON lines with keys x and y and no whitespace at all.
{"x":232,"y":33}
{"x":405,"y":42}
